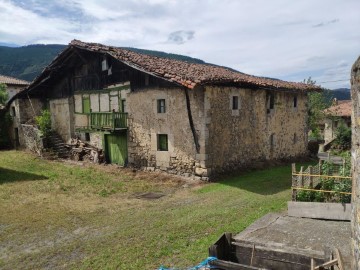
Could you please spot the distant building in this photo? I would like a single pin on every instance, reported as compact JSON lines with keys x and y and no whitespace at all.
{"x":338,"y":114}
{"x":13,"y":85}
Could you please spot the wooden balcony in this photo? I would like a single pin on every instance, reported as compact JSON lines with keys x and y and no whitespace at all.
{"x":108,"y":120}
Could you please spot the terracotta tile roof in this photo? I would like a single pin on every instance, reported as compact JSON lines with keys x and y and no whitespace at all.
{"x":343,"y":108}
{"x":12,"y":81}
{"x":189,"y":74}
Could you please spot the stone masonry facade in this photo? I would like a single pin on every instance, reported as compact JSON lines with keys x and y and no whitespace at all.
{"x":228,"y":139}
{"x":355,"y":96}
{"x":146,"y":124}
{"x":253,"y":132}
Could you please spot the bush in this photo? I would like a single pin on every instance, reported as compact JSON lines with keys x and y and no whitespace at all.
{"x":343,"y":138}
{"x":44,"y":122}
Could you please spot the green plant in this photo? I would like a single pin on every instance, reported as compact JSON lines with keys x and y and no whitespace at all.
{"x":343,"y":137}
{"x":44,"y":122}
{"x":4,"y":96}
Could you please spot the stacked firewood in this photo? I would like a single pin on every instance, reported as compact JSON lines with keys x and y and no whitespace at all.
{"x":80,"y":150}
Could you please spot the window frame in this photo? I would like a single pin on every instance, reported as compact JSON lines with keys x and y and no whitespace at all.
{"x":295,"y":102}
{"x":161,"y":105}
{"x":235,"y":103}
{"x":160,"y":145}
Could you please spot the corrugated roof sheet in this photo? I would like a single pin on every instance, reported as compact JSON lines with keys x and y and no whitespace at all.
{"x":189,"y":74}
{"x":12,"y":81}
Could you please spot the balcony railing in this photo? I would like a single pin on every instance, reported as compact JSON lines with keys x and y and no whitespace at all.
{"x":108,"y":120}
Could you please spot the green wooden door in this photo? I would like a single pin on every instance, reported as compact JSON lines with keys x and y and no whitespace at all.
{"x":116,"y":146}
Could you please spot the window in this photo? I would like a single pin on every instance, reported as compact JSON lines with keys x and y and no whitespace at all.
{"x":162,"y":141}
{"x":272,"y":141}
{"x":235,"y":102}
{"x":270,"y":102}
{"x":13,"y":111}
{"x":161,"y":105}
{"x":87,"y":136}
{"x":295,"y":138}
{"x":295,"y":102}
{"x":86,"y":104}
{"x":123,"y":105}
{"x":336,"y":123}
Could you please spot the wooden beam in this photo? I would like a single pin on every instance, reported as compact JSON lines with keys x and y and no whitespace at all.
{"x":224,"y":265}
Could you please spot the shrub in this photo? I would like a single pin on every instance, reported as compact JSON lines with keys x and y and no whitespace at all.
{"x":44,"y":122}
{"x":343,"y":138}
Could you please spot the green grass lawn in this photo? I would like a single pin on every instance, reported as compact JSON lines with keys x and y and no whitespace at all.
{"x":56,"y":215}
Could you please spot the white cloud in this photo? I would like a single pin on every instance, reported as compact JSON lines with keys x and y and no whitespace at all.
{"x":285,"y":39}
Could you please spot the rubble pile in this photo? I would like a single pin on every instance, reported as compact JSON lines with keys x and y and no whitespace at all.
{"x":80,"y":150}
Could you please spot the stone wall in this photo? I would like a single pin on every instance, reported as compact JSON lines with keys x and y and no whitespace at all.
{"x":23,"y":111}
{"x":32,"y":139}
{"x":145,"y":123}
{"x":355,"y":95}
{"x":253,"y":132}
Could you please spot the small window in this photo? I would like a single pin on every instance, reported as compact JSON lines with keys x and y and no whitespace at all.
{"x":13,"y":111}
{"x":235,"y":102}
{"x":87,"y":136}
{"x":123,"y":105}
{"x":295,"y":102}
{"x":295,"y":138}
{"x":272,"y":141}
{"x":161,"y":105}
{"x":336,"y":124}
{"x":270,"y":101}
{"x":162,"y":142}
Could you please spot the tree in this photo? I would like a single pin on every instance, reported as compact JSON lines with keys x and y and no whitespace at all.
{"x":3,"y":94}
{"x":318,"y":102}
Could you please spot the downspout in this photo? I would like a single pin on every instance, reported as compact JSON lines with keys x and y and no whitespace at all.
{"x":191,"y":122}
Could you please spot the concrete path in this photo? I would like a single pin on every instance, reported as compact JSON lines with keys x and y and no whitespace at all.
{"x":310,"y":236}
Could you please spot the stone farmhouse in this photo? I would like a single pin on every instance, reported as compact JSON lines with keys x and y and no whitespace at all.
{"x":13,"y":85}
{"x":338,"y":114}
{"x":157,"y":113}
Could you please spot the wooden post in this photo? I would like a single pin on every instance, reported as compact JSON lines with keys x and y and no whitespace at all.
{"x":301,"y":176}
{"x":311,"y":177}
{"x":293,"y":181}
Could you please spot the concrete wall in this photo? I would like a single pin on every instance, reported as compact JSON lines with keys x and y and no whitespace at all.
{"x":145,"y":123}
{"x":62,"y":117}
{"x":355,"y":95}
{"x":236,"y":138}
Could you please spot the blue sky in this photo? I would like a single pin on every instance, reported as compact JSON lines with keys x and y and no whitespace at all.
{"x":289,"y":40}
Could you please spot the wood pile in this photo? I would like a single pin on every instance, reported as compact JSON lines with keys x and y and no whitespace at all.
{"x":80,"y":150}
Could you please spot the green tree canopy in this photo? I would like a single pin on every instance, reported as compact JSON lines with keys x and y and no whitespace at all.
{"x":318,"y":102}
{"x":3,"y":94}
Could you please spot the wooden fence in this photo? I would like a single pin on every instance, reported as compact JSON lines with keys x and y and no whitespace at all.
{"x":308,"y":179}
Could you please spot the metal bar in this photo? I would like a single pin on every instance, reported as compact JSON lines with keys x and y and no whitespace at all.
{"x":320,"y":190}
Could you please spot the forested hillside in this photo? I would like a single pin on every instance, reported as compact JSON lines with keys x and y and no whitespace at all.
{"x":28,"y":61}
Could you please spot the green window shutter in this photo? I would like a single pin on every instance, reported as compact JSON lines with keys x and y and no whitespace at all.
{"x":86,"y":104}
{"x":162,"y":142}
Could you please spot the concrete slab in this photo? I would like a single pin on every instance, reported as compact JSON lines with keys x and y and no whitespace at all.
{"x":332,"y":211}
{"x":310,"y":236}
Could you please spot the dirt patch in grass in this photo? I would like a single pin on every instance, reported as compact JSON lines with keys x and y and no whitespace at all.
{"x":82,"y":216}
